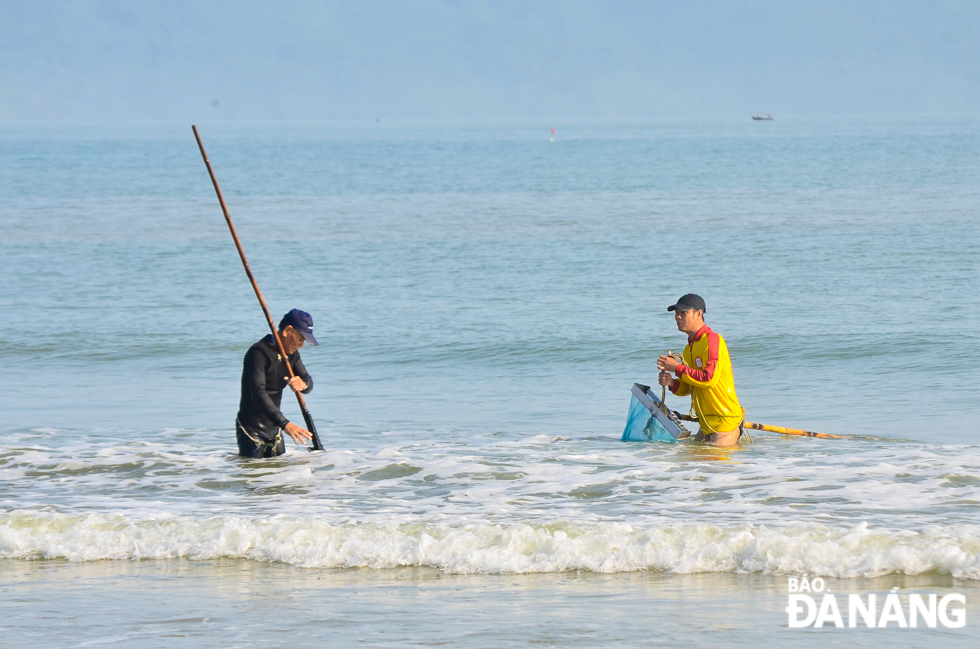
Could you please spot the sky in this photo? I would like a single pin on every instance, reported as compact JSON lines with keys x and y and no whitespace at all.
{"x":87,"y":60}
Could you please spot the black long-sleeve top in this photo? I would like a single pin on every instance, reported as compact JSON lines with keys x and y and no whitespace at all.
{"x":264,"y":377}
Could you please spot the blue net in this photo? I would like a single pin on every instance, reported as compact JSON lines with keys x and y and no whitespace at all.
{"x":642,"y":426}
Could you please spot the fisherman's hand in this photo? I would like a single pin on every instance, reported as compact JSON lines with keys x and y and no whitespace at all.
{"x":296,"y":384}
{"x":667,"y":364}
{"x":300,"y":435}
{"x":665,"y":379}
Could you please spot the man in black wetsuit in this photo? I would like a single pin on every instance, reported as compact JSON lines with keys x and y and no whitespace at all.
{"x":260,"y":424}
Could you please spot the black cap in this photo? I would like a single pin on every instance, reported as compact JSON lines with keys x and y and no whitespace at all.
{"x":688,"y":302}
{"x":301,"y":322}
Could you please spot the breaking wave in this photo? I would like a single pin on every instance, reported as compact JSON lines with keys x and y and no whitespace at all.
{"x":485,"y":548}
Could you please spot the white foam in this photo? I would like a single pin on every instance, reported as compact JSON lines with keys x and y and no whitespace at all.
{"x":481,"y":547}
{"x":531,"y":503}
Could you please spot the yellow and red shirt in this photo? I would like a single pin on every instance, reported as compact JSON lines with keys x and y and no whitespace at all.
{"x":706,"y":375}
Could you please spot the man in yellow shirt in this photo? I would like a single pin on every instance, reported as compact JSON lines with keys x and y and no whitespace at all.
{"x":705,"y":374}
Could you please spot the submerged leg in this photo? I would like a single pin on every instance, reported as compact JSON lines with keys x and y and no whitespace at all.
{"x":728,"y":438}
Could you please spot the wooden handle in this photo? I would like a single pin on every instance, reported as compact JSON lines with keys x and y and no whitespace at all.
{"x":317,"y":446}
{"x":790,"y":431}
{"x":772,"y":429}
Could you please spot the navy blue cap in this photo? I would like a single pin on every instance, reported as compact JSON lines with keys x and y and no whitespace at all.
{"x":301,"y":322}
{"x":688,"y":302}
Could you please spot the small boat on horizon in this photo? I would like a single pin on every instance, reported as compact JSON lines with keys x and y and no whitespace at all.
{"x":760,"y":116}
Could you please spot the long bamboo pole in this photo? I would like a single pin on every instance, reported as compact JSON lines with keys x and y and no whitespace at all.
{"x":773,"y":429}
{"x":317,"y":446}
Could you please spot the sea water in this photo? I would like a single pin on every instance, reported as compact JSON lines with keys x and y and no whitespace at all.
{"x":485,"y":294}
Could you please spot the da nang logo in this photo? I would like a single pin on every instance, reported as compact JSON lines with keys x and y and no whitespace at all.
{"x":812,"y":604}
